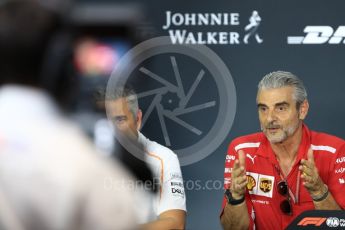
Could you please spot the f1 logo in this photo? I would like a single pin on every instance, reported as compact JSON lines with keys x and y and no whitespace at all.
{"x":316,"y":221}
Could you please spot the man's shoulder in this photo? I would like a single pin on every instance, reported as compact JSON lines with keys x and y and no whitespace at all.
{"x":161,"y":150}
{"x":252,"y":140}
{"x":158,"y":150}
{"x":326,"y":141}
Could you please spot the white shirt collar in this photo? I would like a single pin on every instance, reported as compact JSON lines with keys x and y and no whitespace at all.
{"x":142,"y":139}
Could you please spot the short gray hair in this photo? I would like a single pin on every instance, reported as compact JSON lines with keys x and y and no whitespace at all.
{"x":130,"y":96}
{"x":281,"y":79}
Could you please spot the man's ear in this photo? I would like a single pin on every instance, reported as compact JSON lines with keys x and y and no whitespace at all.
{"x":139,"y":119}
{"x":303,"y":109}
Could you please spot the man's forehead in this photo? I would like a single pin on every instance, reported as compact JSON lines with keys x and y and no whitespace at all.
{"x":118,"y":105}
{"x":276,"y":95}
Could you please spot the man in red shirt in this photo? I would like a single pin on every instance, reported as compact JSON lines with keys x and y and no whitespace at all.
{"x":273,"y":176}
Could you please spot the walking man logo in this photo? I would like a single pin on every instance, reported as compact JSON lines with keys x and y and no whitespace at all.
{"x":252,"y":27}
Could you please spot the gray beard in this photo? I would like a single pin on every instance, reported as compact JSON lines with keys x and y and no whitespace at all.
{"x":287,"y":132}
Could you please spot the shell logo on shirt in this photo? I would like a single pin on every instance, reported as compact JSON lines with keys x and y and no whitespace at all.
{"x":265,"y":185}
{"x":251,"y":183}
{"x":260,"y":184}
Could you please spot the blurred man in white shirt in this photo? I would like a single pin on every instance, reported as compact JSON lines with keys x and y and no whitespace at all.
{"x":169,"y":206}
{"x":51,"y":177}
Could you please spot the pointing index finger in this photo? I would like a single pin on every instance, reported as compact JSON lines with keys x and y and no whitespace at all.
{"x":310,"y":156}
{"x":241,"y":158}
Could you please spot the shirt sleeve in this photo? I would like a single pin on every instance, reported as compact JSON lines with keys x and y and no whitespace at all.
{"x":337,"y":177}
{"x":230,"y":158}
{"x":172,"y":193}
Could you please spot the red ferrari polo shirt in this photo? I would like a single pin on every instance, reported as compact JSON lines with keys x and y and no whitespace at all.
{"x":263,"y":174}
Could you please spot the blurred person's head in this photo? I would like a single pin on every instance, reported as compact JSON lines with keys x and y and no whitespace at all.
{"x":123,"y":108}
{"x":122,"y":104}
{"x":27,"y":31}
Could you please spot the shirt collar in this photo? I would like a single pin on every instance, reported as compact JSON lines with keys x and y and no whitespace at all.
{"x":143,"y":140}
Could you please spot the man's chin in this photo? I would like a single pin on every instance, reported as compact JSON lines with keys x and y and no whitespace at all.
{"x":126,"y":136}
{"x":274,"y":139}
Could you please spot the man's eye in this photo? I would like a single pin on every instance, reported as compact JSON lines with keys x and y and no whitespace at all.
{"x":262,"y":109}
{"x":281,"y":108}
{"x":120,"y":119}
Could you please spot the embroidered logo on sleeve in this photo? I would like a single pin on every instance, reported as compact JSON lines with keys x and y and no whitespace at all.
{"x":230,"y":158}
{"x":340,"y":160}
{"x":177,"y":188}
{"x":227,"y":181}
{"x":339,"y":170}
{"x":228,"y":170}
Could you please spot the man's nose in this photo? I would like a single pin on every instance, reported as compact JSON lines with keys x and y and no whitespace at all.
{"x":271,"y":116}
